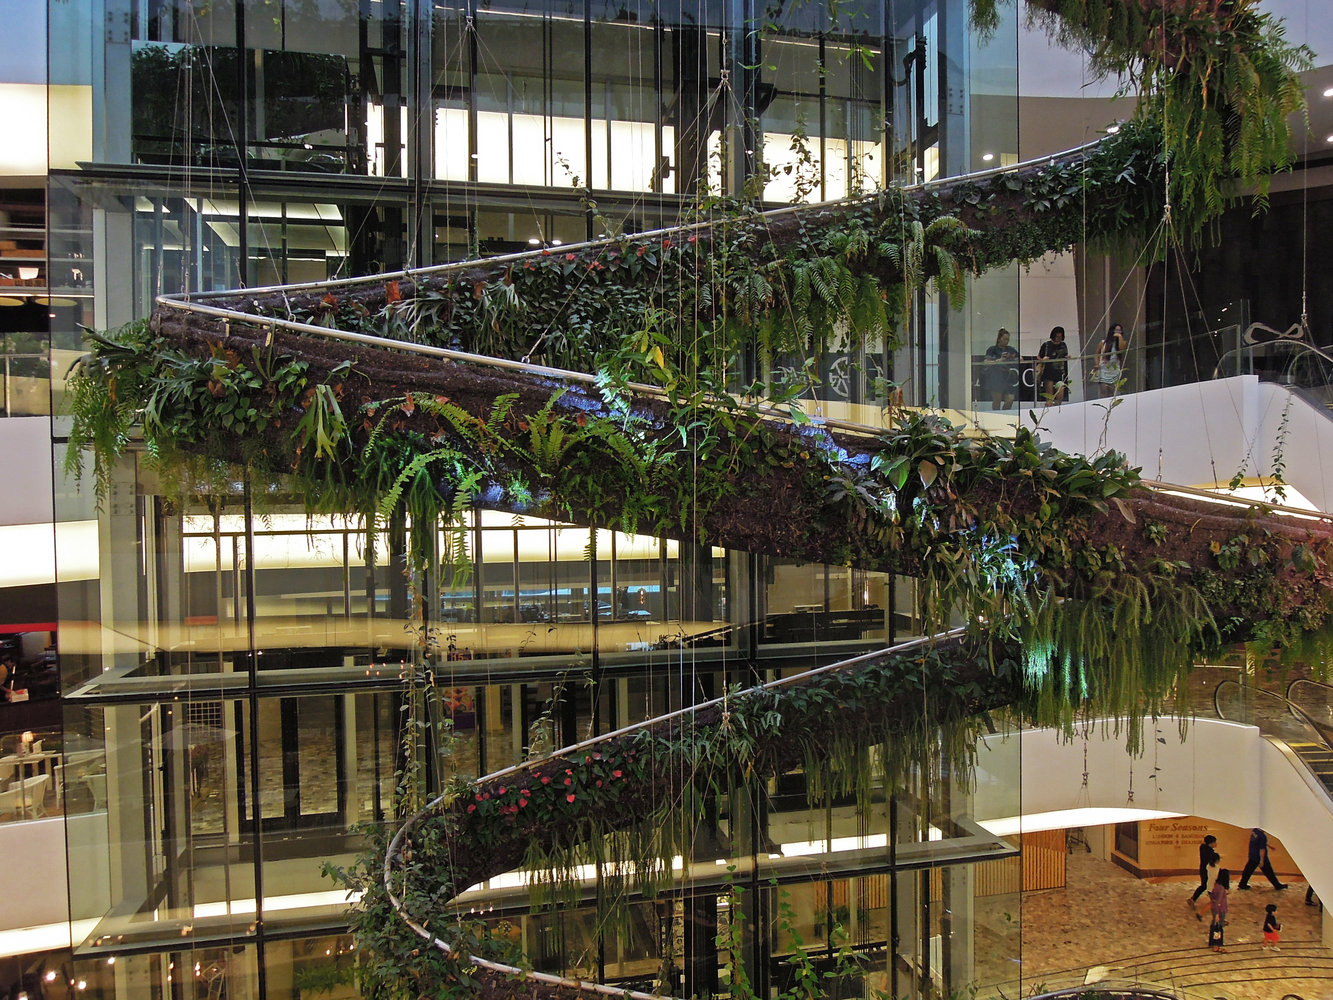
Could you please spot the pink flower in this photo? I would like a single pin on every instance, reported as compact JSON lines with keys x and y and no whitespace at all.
{"x":502,"y":790}
{"x":569,"y":797}
{"x":522,"y":802}
{"x":569,"y":781}
{"x":545,"y":780}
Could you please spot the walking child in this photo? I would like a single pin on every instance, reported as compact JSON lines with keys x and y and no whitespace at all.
{"x":1271,"y":927}
{"x":1218,"y":896}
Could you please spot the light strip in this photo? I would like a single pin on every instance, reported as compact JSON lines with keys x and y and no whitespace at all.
{"x":275,"y":904}
{"x":1063,"y":819}
{"x":44,"y":937}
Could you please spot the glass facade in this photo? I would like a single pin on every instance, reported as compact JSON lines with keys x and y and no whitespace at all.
{"x":233,"y":704}
{"x":231,"y":668}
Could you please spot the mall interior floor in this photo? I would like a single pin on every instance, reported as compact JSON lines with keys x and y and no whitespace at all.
{"x":1113,"y":925}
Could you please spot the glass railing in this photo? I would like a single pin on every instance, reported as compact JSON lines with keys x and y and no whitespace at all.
{"x":1315,"y":702}
{"x":1289,"y":363}
{"x":33,"y":774}
{"x":25,"y":385}
{"x":1273,"y":714}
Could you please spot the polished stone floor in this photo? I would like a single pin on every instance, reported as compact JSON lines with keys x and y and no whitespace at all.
{"x":1108,"y":923}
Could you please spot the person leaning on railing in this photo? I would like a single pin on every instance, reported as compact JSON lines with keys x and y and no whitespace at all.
{"x":1053,"y":367}
{"x":1109,"y":369}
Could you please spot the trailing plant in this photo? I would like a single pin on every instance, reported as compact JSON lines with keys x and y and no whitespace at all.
{"x":1217,"y":78}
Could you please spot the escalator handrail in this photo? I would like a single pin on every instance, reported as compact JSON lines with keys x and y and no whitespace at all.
{"x":1325,"y":731}
{"x":1297,"y":712}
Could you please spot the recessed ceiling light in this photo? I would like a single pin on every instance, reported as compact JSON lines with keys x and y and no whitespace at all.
{"x":987,"y":157}
{"x":557,"y":243}
{"x":534,"y":242}
{"x":1112,"y":129}
{"x":1329,"y":139}
{"x":1328,"y":91}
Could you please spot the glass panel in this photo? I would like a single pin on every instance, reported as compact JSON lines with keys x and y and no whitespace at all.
{"x":185,"y":104}
{"x":375,"y":725}
{"x":276,"y":797}
{"x":319,"y":966}
{"x":319,"y":725}
{"x":529,"y":100}
{"x":159,"y":776}
{"x":192,"y":974}
{"x":498,"y":597}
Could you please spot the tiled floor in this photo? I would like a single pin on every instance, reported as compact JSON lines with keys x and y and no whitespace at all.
{"x":1142,"y":930}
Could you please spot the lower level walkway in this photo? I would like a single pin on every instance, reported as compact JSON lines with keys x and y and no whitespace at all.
{"x":1142,"y":930}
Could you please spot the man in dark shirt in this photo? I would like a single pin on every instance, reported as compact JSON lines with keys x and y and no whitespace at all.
{"x":1259,"y":859}
{"x":1207,"y":855}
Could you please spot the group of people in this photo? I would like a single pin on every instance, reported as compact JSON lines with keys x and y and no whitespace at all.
{"x":1215,"y":882}
{"x":1052,"y":368}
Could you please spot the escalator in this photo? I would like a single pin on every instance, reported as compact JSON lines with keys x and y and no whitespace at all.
{"x":1303,"y":720}
{"x":1315,"y":703}
{"x":1299,"y":366}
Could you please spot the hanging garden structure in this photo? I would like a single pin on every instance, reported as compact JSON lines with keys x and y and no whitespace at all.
{"x":618,"y":384}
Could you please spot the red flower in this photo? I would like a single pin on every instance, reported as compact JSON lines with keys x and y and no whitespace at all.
{"x":569,"y":797}
{"x":569,"y":781}
{"x":525,"y":792}
{"x":615,"y":774}
{"x":568,"y":771}
{"x":571,"y":256}
{"x":522,"y":802}
{"x":640,"y":252}
{"x":502,"y":789}
{"x":694,"y":239}
{"x":545,"y":780}
{"x":472,"y":808}
{"x":599,"y":782}
{"x":666,"y":244}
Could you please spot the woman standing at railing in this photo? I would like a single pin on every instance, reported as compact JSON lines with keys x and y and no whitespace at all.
{"x":1053,"y":367}
{"x":1110,"y":360}
{"x":999,"y":371}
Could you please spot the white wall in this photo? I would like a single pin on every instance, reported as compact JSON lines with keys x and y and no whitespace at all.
{"x":1205,"y":433}
{"x":25,"y":442}
{"x":1221,"y":770}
